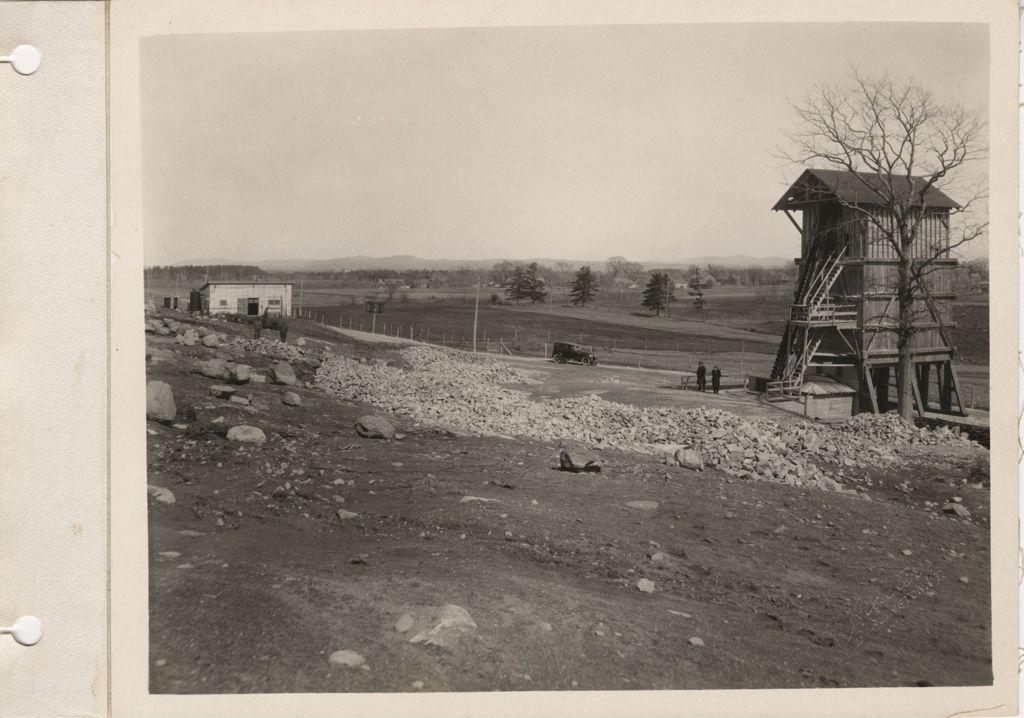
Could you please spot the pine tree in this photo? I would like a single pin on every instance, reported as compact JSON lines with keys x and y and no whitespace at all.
{"x":517,"y":287}
{"x":584,"y":287}
{"x":659,"y":293}
{"x":534,"y":287}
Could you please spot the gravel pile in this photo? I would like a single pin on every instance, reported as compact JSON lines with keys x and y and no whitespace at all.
{"x":472,"y":393}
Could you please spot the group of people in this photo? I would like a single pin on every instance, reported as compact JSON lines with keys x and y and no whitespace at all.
{"x":702,"y":378}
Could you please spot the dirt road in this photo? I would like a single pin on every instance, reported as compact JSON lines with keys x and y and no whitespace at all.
{"x":255,"y":581}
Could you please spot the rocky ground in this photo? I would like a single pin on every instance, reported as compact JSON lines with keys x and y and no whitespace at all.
{"x":291,"y":550}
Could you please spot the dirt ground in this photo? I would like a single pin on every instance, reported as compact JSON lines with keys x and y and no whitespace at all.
{"x":255,"y":581}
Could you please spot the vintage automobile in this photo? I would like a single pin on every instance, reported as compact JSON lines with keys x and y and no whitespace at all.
{"x":562,"y":352}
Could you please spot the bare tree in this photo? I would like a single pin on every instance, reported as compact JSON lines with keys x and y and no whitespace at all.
{"x":391,"y":288}
{"x":905,"y":144}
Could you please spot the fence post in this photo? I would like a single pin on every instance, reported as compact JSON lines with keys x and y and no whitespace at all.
{"x":638,"y":355}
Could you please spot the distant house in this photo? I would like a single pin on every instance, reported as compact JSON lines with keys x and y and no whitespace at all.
{"x":248,"y":298}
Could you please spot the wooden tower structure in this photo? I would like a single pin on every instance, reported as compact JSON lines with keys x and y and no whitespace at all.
{"x":843,"y":319}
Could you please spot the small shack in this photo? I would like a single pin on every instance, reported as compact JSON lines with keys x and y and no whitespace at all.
{"x":825,"y":399}
{"x":247,"y":298}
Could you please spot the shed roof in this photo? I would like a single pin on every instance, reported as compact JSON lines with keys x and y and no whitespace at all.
{"x":825,"y":386}
{"x":255,"y":284}
{"x":858,"y":188}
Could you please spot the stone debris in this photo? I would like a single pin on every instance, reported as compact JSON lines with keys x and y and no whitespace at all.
{"x":343,"y":514}
{"x":452,"y":622}
{"x":375,"y":427}
{"x":164,"y":496}
{"x":479,"y":395}
{"x":404,"y":623}
{"x":645,"y":585}
{"x":210,"y":340}
{"x":696,"y":641}
{"x":290,"y":398}
{"x":346,"y":658}
{"x":249,"y":434}
{"x":160,"y":401}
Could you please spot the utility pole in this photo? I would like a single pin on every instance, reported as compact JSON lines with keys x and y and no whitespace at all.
{"x":301,"y":282}
{"x":476,"y":314}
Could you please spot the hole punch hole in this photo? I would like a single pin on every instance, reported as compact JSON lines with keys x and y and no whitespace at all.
{"x":25,"y":59}
{"x":27,"y":630}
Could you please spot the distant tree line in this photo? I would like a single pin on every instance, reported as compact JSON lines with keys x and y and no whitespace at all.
{"x":524,"y":280}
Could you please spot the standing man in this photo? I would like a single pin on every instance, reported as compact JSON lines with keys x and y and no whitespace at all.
{"x":702,"y":376}
{"x":283,"y":328}
{"x":716,"y":379}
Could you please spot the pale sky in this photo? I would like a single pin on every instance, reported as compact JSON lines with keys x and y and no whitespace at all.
{"x":652,"y":142}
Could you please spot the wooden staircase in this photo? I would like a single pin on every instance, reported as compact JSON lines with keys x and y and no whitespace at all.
{"x":812,"y":308}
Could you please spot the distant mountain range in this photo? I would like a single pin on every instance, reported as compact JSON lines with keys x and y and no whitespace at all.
{"x":403,"y":262}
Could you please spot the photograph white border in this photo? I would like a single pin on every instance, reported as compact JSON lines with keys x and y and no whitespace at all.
{"x":132,"y":19}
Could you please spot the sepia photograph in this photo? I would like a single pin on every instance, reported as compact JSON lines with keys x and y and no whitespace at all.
{"x":624,"y":357}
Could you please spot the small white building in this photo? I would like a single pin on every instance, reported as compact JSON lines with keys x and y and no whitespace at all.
{"x":247,"y":298}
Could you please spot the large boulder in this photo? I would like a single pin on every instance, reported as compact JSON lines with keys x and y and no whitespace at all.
{"x":160,"y":402}
{"x":241,"y":373}
{"x":291,"y":399}
{"x":374,"y":427}
{"x":213,"y":368}
{"x":248,"y":434}
{"x":282,"y":373}
{"x":689,"y":459}
{"x":156,"y":354}
{"x":161,"y":494}
{"x":222,"y":391}
{"x":576,"y":462}
{"x":452,"y":622}
{"x":210,"y":340}
{"x":957,"y":509}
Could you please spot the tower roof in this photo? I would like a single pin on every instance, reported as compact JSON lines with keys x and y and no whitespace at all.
{"x":856,"y":188}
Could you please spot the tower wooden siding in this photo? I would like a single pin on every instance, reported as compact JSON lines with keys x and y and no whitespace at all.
{"x":871,"y":272}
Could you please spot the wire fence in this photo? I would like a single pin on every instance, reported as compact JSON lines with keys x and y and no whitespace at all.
{"x":735,"y":363}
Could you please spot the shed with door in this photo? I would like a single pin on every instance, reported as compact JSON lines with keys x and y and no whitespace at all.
{"x":246,"y":298}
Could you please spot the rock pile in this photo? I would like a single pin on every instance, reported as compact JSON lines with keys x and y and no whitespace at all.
{"x":470,"y":393}
{"x":186,"y":334}
{"x":271,"y":348}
